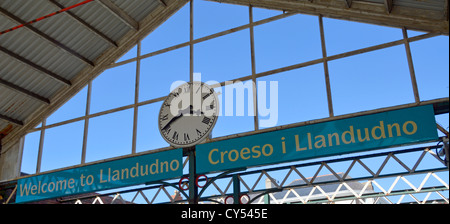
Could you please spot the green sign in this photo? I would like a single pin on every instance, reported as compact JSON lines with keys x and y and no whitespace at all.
{"x":387,"y":129}
{"x":102,"y":176}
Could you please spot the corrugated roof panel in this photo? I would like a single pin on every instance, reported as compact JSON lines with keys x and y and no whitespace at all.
{"x":100,"y":18}
{"x":28,"y":10}
{"x":5,"y":24}
{"x":62,"y":27}
{"x":21,"y":75}
{"x":39,"y":51}
{"x":36,"y":53}
{"x":16,"y":106}
{"x":72,"y":34}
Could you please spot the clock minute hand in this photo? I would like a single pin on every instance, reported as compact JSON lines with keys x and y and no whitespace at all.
{"x":172,"y":120}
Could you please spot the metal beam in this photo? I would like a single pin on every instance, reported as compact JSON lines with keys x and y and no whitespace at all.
{"x":85,"y":24}
{"x":46,"y":37}
{"x":119,"y":13}
{"x":446,"y":10}
{"x":389,"y":4}
{"x":11,"y":120}
{"x":24,"y":91}
{"x":35,"y":66}
{"x":411,"y":17}
{"x":348,"y":3}
{"x":162,"y":3}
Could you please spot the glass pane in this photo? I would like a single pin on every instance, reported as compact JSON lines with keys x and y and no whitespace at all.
{"x":114,"y":88}
{"x":430,"y":59}
{"x":443,"y":120}
{"x":369,"y":81}
{"x":110,"y":135}
{"x":213,"y":17}
{"x":74,"y":108}
{"x":236,"y":109}
{"x":288,"y":41}
{"x":172,"y":32}
{"x":62,"y":146}
{"x":30,"y":153}
{"x":301,"y":95}
{"x":224,"y":58}
{"x":261,"y":13}
{"x":148,"y":136}
{"x":160,"y":71}
{"x":343,"y":36}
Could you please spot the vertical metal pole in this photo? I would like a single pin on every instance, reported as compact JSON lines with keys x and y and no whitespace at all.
{"x":191,"y":45}
{"x":411,"y":66}
{"x":193,"y":189}
{"x":252,"y":48}
{"x":86,"y":123}
{"x":136,"y":97}
{"x":41,"y":146}
{"x":325,"y":67}
{"x":236,"y":189}
{"x":446,"y":148}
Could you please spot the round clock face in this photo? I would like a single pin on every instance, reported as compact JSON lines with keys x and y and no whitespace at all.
{"x":188,"y":114}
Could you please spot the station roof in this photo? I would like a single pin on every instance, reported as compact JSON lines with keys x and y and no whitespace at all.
{"x":44,"y":64}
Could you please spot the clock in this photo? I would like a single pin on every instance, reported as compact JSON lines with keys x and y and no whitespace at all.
{"x":188,"y":114}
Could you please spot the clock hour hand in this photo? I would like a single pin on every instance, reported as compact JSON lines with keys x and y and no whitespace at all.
{"x":197,"y":113}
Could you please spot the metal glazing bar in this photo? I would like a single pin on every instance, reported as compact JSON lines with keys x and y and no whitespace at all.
{"x":86,"y":123}
{"x":136,"y":98}
{"x":41,"y":148}
{"x":202,"y":39}
{"x":411,"y":65}
{"x":191,"y":41}
{"x":271,"y":72}
{"x":253,"y":60}
{"x":325,"y":68}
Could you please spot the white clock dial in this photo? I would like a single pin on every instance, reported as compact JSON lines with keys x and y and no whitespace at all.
{"x":188,"y":114}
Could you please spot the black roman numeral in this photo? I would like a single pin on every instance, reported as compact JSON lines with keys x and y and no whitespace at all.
{"x":175,"y":136}
{"x":206,"y":120}
{"x":186,"y":137}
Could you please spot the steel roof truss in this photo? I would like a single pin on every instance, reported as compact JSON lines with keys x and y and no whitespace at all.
{"x":389,"y":4}
{"x":37,"y":67}
{"x":24,"y":91}
{"x":85,"y":24}
{"x":120,"y":14}
{"x":12,"y":120}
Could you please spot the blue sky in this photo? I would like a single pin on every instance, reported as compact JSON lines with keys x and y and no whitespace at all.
{"x":363,"y":82}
